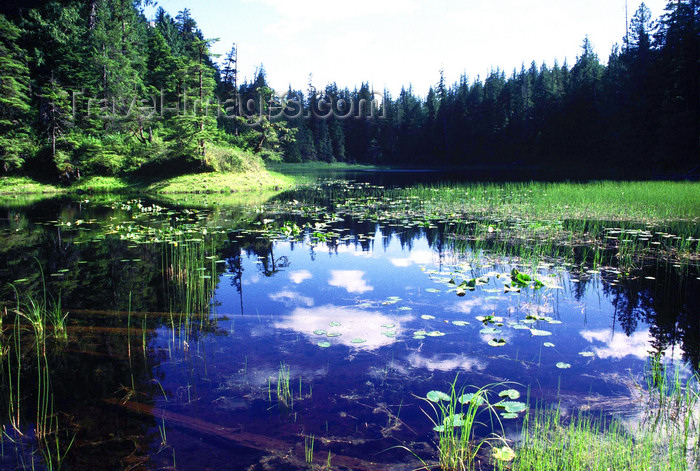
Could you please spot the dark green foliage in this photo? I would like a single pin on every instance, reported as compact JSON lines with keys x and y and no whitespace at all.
{"x":14,"y":99}
{"x":95,"y":86}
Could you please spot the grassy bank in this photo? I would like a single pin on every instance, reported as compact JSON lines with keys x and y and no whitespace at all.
{"x":283,"y":167}
{"x":197,"y":183}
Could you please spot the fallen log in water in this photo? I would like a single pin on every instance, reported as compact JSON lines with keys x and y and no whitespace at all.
{"x":236,"y":435}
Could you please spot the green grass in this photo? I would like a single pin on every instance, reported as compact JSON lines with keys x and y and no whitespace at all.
{"x":215,"y":182}
{"x":284,"y":393}
{"x":25,"y":185}
{"x":284,"y":167}
{"x":664,"y":436}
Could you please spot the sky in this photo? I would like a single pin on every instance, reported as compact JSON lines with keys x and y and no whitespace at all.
{"x":395,"y":43}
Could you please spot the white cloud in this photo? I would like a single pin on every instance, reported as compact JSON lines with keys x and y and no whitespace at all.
{"x":299,"y":276}
{"x":477,"y":305}
{"x":446,"y":362}
{"x":351,"y":280}
{"x":292,"y":298}
{"x":419,"y":257}
{"x":619,"y":345}
{"x":354,"y":323}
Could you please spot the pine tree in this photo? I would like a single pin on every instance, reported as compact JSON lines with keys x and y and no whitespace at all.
{"x":14,"y":99}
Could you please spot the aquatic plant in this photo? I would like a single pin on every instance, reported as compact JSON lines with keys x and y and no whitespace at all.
{"x":284,"y":392}
{"x":309,"y":450}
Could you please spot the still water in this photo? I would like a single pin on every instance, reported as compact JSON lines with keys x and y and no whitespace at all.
{"x":244,"y":338}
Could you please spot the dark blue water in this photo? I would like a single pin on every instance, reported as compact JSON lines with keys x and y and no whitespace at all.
{"x":365,"y":324}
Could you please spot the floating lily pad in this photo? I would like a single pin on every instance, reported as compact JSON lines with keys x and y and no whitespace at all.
{"x":520,"y":327}
{"x":563,"y":365}
{"x":540,"y":333}
{"x":510,"y":393}
{"x":388,"y":326}
{"x":437,"y":396}
{"x":470,"y":397}
{"x":504,"y":453}
{"x":587,"y":354}
{"x":320,"y":332}
{"x":334,"y":324}
{"x":324,"y":344}
{"x":497,"y":342}
{"x":432,"y":290}
{"x":405,"y":308}
{"x":358,"y":340}
{"x":548,"y":344}
{"x":418,"y":337}
{"x":513,"y":407}
{"x":390,"y":335}
{"x":455,"y":420}
{"x":427,"y":317}
{"x":333,"y":334}
{"x":435,"y":333}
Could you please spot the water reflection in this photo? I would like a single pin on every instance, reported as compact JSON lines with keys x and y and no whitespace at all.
{"x":359,"y":329}
{"x":199,"y":327}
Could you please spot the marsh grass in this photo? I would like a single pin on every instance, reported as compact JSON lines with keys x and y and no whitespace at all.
{"x":664,"y":437}
{"x":599,"y":224}
{"x":454,"y":418}
{"x":284,"y":392}
{"x":309,"y":450}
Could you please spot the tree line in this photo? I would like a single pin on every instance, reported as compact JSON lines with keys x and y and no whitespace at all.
{"x":95,"y":86}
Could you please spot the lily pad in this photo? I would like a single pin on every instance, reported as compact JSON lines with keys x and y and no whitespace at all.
{"x":563,"y":365}
{"x":548,"y":344}
{"x":320,"y":332}
{"x":390,"y":335}
{"x":510,"y":393}
{"x":358,"y":340}
{"x":324,"y":344}
{"x":455,"y":420}
{"x":432,"y":290}
{"x":509,"y":415}
{"x":471,"y":397}
{"x":497,"y":342}
{"x":435,"y":333}
{"x":504,"y":453}
{"x":427,"y":317}
{"x":388,"y":326}
{"x":539,"y":333}
{"x":513,"y":406}
{"x":333,"y":334}
{"x":437,"y":396}
{"x":586,"y":354}
{"x":334,"y":324}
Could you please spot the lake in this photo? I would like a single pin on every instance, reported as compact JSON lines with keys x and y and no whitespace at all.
{"x":313,"y":327}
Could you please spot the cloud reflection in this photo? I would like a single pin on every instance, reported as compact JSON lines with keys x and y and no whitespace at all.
{"x":419,"y":257}
{"x":292,"y":298}
{"x":351,"y":280}
{"x":354,"y":324}
{"x":299,"y":276}
{"x":446,"y":362}
{"x":618,"y":345}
